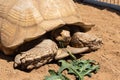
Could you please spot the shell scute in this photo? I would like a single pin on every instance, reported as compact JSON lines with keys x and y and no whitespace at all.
{"x":25,"y":20}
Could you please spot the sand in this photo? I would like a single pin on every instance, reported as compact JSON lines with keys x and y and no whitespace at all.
{"x":107,"y":27}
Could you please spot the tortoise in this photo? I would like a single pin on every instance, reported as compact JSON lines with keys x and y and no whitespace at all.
{"x":33,"y":29}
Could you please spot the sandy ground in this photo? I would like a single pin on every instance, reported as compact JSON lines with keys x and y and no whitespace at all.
{"x":107,"y":27}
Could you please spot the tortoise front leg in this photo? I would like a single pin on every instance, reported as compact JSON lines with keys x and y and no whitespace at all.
{"x":80,"y":39}
{"x":43,"y":53}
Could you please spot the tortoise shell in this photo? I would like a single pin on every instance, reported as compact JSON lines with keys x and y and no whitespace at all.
{"x":25,"y":20}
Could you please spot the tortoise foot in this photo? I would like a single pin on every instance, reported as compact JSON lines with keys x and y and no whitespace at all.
{"x":80,"y":39}
{"x":43,"y":53}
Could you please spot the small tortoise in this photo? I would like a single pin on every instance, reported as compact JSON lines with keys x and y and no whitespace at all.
{"x":36,"y":28}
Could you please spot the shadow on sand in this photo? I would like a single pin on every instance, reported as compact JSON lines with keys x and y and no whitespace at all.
{"x":7,"y":58}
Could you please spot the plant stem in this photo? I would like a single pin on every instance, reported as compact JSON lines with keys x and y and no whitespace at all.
{"x":80,"y":77}
{"x":71,"y":55}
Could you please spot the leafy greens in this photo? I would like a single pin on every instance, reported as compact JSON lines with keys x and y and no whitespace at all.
{"x":79,"y":68}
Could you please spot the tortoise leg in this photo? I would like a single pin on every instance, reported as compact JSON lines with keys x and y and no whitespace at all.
{"x":63,"y":52}
{"x":80,"y":42}
{"x":80,"y":39}
{"x":42,"y":53}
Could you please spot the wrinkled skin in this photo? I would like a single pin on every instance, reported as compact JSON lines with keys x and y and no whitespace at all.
{"x":73,"y":41}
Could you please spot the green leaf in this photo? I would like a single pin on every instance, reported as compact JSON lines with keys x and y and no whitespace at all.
{"x":55,"y":76}
{"x":79,"y":68}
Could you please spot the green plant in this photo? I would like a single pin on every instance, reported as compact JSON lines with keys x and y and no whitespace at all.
{"x":79,"y":68}
{"x":55,"y":76}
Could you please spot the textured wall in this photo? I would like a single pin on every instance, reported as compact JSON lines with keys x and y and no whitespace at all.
{"x":115,"y":4}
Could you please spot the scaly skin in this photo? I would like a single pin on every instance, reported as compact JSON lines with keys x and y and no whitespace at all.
{"x":80,"y":39}
{"x":47,"y":49}
{"x":37,"y":56}
{"x":43,"y":53}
